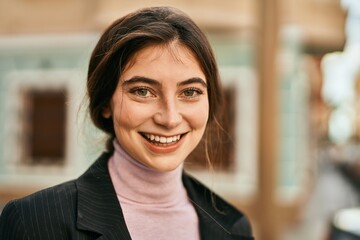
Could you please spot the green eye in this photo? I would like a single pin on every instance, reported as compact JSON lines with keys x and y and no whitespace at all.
{"x":192,"y":92}
{"x":189,"y":92}
{"x":142,"y":92}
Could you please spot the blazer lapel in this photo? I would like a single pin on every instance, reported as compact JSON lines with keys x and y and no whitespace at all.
{"x":218,"y":219}
{"x":98,"y":208}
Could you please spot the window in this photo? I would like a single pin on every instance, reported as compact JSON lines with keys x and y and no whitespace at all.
{"x":41,"y":129}
{"x":45,"y":126}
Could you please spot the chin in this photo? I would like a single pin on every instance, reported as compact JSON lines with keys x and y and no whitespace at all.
{"x":165,"y":167}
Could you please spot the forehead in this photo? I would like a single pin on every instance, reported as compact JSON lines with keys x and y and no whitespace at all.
{"x":177,"y":51}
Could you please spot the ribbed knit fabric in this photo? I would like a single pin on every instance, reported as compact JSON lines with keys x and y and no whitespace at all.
{"x":155,"y":204}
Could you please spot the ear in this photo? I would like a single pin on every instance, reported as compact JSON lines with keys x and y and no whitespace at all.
{"x":106,"y":113}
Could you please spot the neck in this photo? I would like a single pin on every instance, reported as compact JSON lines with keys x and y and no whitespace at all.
{"x":137,"y":183}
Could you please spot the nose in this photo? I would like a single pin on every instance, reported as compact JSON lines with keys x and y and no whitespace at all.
{"x":168,"y":114}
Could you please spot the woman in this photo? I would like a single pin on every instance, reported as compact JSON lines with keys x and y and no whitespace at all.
{"x":153,"y":87}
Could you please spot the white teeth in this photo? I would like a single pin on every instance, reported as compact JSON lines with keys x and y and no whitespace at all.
{"x":161,"y":139}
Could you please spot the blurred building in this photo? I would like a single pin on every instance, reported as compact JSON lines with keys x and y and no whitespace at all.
{"x":46,"y":137}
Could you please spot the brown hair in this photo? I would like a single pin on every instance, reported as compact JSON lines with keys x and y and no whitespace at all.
{"x":133,"y":32}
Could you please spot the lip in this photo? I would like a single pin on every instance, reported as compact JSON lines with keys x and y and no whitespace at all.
{"x":163,"y":148}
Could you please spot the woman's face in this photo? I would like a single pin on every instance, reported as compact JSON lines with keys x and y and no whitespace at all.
{"x":160,"y":107}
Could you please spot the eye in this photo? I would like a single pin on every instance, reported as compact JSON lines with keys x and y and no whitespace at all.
{"x":191,"y":92}
{"x":142,"y":92}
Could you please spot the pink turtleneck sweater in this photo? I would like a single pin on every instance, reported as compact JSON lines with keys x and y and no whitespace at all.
{"x":155,"y":204}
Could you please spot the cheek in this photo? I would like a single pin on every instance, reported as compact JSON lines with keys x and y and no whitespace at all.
{"x":198,"y":115}
{"x":132,"y":115}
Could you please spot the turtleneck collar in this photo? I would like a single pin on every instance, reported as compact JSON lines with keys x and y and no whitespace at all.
{"x":139,"y":184}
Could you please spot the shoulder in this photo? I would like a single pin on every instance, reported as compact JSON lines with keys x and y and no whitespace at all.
{"x":60,"y":199}
{"x":52,"y":213}
{"x":231,"y":219}
{"x":46,"y":209}
{"x":46,"y":200}
{"x":56,"y":196}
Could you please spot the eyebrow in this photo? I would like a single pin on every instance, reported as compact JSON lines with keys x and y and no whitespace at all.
{"x":192,"y":80}
{"x":140,"y":79}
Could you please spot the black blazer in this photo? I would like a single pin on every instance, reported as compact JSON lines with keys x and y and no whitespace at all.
{"x":88,"y":208}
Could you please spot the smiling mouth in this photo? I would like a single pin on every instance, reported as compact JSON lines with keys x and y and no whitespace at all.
{"x":161,"y":140}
